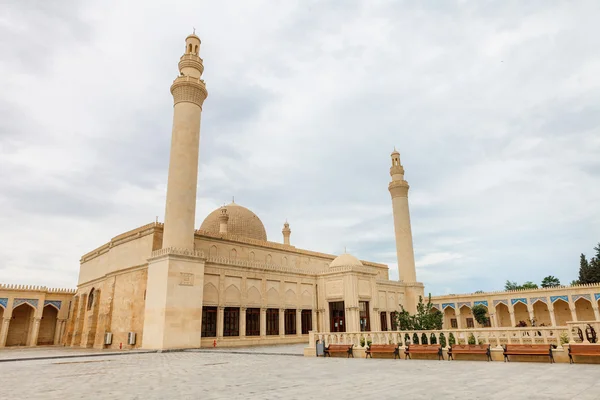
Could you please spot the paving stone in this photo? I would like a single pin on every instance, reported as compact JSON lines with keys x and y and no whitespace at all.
{"x":220,"y":374}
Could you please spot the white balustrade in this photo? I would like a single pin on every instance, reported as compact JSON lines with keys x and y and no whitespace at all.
{"x":496,"y":337}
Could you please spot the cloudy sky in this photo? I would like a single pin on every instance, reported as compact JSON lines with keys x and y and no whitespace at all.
{"x":494,"y":107}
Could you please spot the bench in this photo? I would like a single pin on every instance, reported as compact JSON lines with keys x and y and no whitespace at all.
{"x":583,"y":350}
{"x":339,"y":348}
{"x":423,"y":349}
{"x":469,"y":349}
{"x":528,"y":350}
{"x":383,"y":348}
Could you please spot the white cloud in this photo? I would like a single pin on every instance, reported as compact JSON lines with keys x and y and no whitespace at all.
{"x":494,"y":109}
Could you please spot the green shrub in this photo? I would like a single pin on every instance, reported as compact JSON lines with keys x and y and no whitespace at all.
{"x":472,"y":339}
{"x":451,"y":339}
{"x":432,"y":339}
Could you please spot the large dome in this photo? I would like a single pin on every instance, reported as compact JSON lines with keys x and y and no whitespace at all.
{"x":346,"y":260}
{"x":242,"y":222}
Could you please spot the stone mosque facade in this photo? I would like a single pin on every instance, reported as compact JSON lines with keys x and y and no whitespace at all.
{"x":172,"y":285}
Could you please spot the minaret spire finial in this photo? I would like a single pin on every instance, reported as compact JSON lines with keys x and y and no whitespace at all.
{"x":194,"y":29}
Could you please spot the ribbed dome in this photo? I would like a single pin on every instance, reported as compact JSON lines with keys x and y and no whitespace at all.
{"x":242,"y":222}
{"x":346,"y":260}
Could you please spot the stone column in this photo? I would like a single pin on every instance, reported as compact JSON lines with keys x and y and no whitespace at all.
{"x":58,"y":330}
{"x":263,"y":322}
{"x":35,"y":330}
{"x":315,"y":326}
{"x":299,"y":322}
{"x":375,"y":320}
{"x":493,"y":322}
{"x":513,"y":321}
{"x":596,"y":311}
{"x":552,"y":317}
{"x":388,"y":318}
{"x":281,"y":322}
{"x":531,"y":313}
{"x":4,"y":330}
{"x":573,"y":313}
{"x":220,"y":321}
{"x":242,"y":322}
{"x":458,"y":319}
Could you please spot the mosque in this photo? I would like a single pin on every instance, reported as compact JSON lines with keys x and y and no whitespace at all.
{"x":171,"y":285}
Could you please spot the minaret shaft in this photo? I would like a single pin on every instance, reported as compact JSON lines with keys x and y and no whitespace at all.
{"x":180,"y":212}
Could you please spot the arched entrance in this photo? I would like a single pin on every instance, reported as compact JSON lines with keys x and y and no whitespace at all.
{"x":503,"y":316}
{"x":466,"y":317}
{"x":47,"y":325}
{"x":584,"y":310}
{"x":450,"y":320}
{"x":521,"y":313}
{"x":562,"y":313}
{"x":19,"y":328}
{"x":541,"y":313}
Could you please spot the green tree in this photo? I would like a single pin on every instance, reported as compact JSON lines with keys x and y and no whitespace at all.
{"x":550,"y":281}
{"x":480,"y":314}
{"x":426,"y":318}
{"x":511,"y":285}
{"x":584,"y":269}
{"x":528,"y":285}
{"x":574,"y":282}
{"x":594,"y":266}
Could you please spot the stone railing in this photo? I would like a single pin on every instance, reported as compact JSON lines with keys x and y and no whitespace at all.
{"x":496,"y":337}
{"x":588,"y":328}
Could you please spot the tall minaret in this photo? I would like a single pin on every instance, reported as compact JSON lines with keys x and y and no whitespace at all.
{"x":189,"y":93}
{"x":175,"y":282}
{"x":398,"y":188}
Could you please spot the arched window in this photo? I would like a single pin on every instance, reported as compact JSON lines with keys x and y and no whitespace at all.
{"x":190,"y":48}
{"x":90,"y":299}
{"x":196,"y":49}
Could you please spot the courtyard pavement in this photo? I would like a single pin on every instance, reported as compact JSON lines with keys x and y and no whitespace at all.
{"x":277,"y":372}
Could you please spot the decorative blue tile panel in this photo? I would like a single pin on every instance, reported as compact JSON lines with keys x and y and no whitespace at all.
{"x":563,"y":297}
{"x":496,"y":302}
{"x":3,"y":302}
{"x":536,"y":299}
{"x":480,"y":302}
{"x":55,"y":303}
{"x":464,"y":303}
{"x":597,"y":296}
{"x":521,"y":299}
{"x":31,"y":302}
{"x":444,"y":305}
{"x":576,"y":297}
{"x":436,"y":306}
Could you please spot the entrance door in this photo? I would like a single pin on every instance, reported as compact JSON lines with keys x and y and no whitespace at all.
{"x":337,"y":316}
{"x":383,"y":320}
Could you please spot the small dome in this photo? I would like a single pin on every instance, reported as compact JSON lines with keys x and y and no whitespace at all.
{"x":346,"y":260}
{"x":242,"y":222}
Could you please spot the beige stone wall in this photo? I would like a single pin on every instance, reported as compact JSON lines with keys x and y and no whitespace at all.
{"x":117,"y":307}
{"x":124,"y":251}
